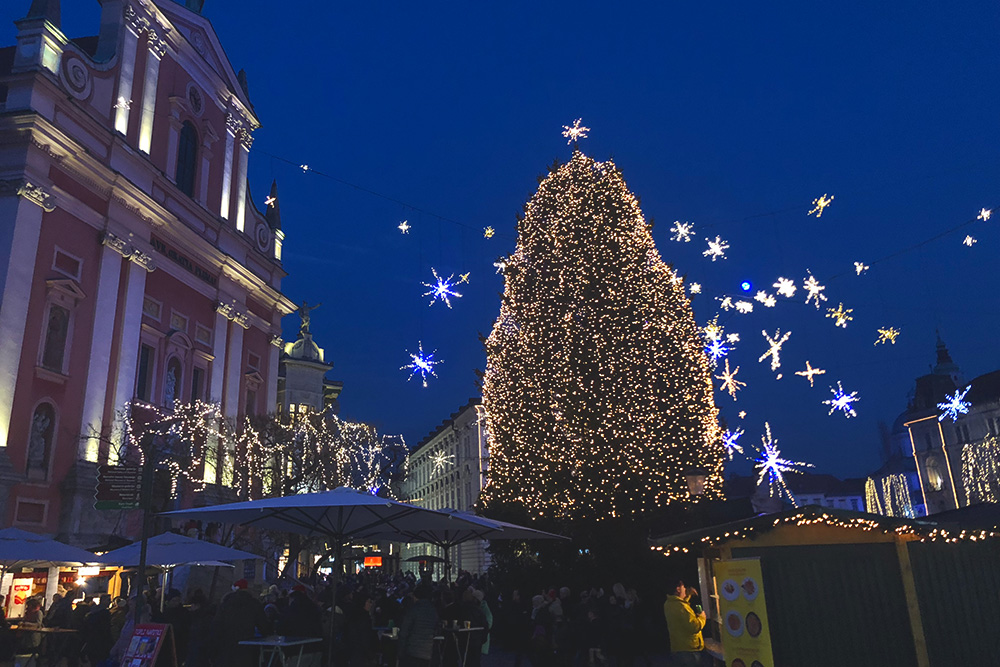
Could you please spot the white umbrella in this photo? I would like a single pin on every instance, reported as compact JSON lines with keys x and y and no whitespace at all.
{"x":171,"y":549}
{"x":19,"y":548}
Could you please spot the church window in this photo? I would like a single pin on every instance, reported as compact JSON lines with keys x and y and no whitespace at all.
{"x":56,"y":333}
{"x":934,"y":477}
{"x":197,"y":383}
{"x":187,"y":155}
{"x":40,"y":433}
{"x":251,"y":408}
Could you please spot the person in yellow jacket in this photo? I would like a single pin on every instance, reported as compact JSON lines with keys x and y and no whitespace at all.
{"x":685,"y":626}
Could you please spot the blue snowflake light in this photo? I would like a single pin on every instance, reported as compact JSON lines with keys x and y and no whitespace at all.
{"x":842,"y":401}
{"x":771,"y":467}
{"x":954,"y":405}
{"x":716,"y":349}
{"x":729,"y":441}
{"x":421,"y":364}
{"x":441,"y":289}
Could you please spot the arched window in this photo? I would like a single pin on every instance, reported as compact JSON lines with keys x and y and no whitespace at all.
{"x":934,"y":476}
{"x":43,"y":424}
{"x":187,"y":154}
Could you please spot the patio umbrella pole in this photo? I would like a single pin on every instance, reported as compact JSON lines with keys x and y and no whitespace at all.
{"x":147,"y":500}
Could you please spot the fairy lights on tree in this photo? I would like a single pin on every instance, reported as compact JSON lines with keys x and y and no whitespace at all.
{"x":894,"y":499}
{"x":981,"y":471}
{"x":597,"y":389}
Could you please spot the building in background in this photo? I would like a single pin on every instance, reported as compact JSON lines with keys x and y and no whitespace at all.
{"x":302,"y":383}
{"x":446,"y":470}
{"x":135,"y":264}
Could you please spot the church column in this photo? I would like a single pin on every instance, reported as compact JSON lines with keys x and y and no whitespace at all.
{"x":219,"y":357}
{"x":20,"y":225}
{"x":128,"y":346}
{"x":157,"y":49}
{"x":272,"y":373}
{"x":126,"y":73}
{"x":234,"y":371}
{"x":232,"y":127}
{"x":105,"y":305}
{"x":241,"y":179}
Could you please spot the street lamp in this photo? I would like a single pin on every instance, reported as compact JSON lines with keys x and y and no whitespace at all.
{"x":696,"y":478}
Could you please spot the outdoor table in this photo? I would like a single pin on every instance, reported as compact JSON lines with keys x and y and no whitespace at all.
{"x":275,"y":645}
{"x":463,"y":654}
{"x":40,"y":630}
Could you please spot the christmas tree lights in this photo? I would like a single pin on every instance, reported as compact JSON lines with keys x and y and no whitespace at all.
{"x":981,"y":471}
{"x":599,"y":398}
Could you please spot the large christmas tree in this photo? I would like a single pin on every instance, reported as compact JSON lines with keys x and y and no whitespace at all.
{"x":597,"y":388}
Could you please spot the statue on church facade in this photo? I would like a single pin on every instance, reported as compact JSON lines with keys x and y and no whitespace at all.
{"x":304,"y":311}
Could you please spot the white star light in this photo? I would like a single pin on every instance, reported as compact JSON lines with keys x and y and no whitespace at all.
{"x":809,"y":372}
{"x":489,"y":232}
{"x":575,"y":132}
{"x":501,"y":265}
{"x":304,"y":168}
{"x":984,"y":214}
{"x":695,"y":288}
{"x":820,"y":204}
{"x":725,"y":303}
{"x":768,"y":300}
{"x":970,"y":241}
{"x":270,"y":201}
{"x":954,"y":405}
{"x":716,"y":349}
{"x":774,"y":351}
{"x":440,"y":460}
{"x":729,"y":381}
{"x":404,"y":227}
{"x":716,"y":249}
{"x":441,"y":289}
{"x":842,"y":401}
{"x":815,"y":290}
{"x":744,"y":307}
{"x":771,"y":466}
{"x":682,"y":231}
{"x":840,"y":315}
{"x":785,"y":287}
{"x":860,"y":267}
{"x":729,"y":442}
{"x":420,"y":363}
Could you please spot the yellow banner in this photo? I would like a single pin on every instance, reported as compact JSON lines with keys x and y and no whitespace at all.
{"x":746,"y":635}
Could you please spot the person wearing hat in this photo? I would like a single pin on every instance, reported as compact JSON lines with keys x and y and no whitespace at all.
{"x":240,"y":617}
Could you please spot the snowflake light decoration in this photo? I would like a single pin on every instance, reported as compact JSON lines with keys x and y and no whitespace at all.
{"x":304,"y":168}
{"x":725,"y":303}
{"x":440,"y":460}
{"x":712,"y":330}
{"x":729,"y":382}
{"x":716,"y":349}
{"x":887,"y":335}
{"x":840,"y":315}
{"x":463,"y":278}
{"x":575,"y":132}
{"x":730,"y":442}
{"x":809,"y":372}
{"x":421,"y":364}
{"x":984,"y":214}
{"x":860,"y":267}
{"x":682,"y":231}
{"x":774,"y":351}
{"x":716,"y":249}
{"x":733,"y":338}
{"x":970,"y":241}
{"x":270,"y":201}
{"x":404,"y":227}
{"x":743,"y":414}
{"x":441,"y":289}
{"x":785,"y":287}
{"x":814,"y":289}
{"x":772,"y":466}
{"x":954,"y":405}
{"x":842,"y":401}
{"x":820,"y":204}
{"x":501,"y":264}
{"x":744,"y":307}
{"x":695,"y":288}
{"x":767,"y":299}
{"x":489,"y":232}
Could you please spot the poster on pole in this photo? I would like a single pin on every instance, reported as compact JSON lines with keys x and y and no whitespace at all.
{"x":746,"y":634}
{"x":150,"y":642}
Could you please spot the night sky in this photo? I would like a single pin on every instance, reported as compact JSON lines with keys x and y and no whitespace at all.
{"x":731,"y":116}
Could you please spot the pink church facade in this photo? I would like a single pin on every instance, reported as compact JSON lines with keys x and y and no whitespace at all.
{"x":133,"y":262}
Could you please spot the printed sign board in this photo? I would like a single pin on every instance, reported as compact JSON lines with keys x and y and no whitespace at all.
{"x":746,"y":634}
{"x":118,"y":487}
{"x":149,"y":642}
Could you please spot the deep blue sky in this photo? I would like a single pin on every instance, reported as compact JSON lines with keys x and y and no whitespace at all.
{"x":731,"y":116}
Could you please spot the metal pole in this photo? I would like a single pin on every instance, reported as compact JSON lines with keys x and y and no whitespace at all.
{"x":148,"y":468}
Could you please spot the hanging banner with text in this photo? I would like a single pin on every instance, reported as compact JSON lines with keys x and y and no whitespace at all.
{"x":746,"y":635}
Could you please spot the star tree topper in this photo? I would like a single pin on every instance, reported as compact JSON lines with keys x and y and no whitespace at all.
{"x":575,"y":132}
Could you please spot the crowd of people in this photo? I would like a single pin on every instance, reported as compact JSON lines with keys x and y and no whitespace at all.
{"x":375,"y":619}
